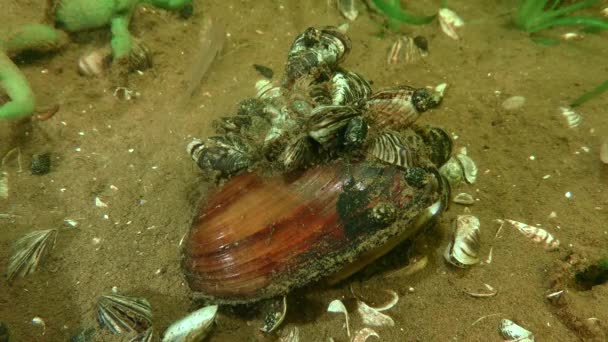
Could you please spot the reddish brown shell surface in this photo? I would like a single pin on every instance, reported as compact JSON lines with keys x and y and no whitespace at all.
{"x":258,"y":237}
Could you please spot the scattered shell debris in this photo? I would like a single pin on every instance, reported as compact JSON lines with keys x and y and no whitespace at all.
{"x":372,"y":316}
{"x":337,"y":306}
{"x":3,"y":185}
{"x":450,"y":22}
{"x":193,"y":327}
{"x":29,"y":251}
{"x":365,"y":333}
{"x":513,"y":332}
{"x":491,"y":292}
{"x":536,"y":234}
{"x":463,"y":249}
{"x":514,"y":102}
{"x":124,"y":314}
{"x":348,"y":9}
{"x":70,"y":223}
{"x":275,"y":316}
{"x":464,"y":199}
{"x":573,"y":119}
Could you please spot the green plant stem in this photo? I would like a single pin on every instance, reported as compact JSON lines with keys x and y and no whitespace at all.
{"x":393,"y":10}
{"x":586,"y":97}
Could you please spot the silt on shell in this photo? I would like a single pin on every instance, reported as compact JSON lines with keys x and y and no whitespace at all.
{"x":463,"y":249}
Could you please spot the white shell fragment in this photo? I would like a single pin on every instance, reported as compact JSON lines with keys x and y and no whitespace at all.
{"x":458,"y":168}
{"x":450,"y":22}
{"x":489,"y":292}
{"x":193,"y":327}
{"x":3,"y":185}
{"x":373,"y":317}
{"x":514,"y":102}
{"x":337,"y":306}
{"x":513,"y":332}
{"x":348,"y":9}
{"x":365,"y":333}
{"x":93,"y":63}
{"x":469,"y":169}
{"x":536,"y":234}
{"x":573,"y":119}
{"x":604,"y":151}
{"x":265,"y":89}
{"x":572,"y":36}
{"x":463,"y":249}
{"x":99,"y":203}
{"x":464,"y":199}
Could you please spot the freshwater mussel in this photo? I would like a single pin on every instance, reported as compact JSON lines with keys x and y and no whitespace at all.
{"x":321,"y":176}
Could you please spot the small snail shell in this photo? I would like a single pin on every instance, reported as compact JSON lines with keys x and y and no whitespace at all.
{"x":93,"y":63}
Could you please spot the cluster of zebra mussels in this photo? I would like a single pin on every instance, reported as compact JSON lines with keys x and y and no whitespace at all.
{"x":323,"y":176}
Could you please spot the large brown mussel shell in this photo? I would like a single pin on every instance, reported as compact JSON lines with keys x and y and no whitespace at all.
{"x":259,"y":236}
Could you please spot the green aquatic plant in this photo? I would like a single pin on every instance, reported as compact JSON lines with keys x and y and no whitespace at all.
{"x":396,"y":14}
{"x":590,"y":94}
{"x":536,"y":15}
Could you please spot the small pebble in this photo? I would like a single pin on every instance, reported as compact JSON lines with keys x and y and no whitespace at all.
{"x":41,"y":164}
{"x":568,"y":194}
{"x":514,"y":102}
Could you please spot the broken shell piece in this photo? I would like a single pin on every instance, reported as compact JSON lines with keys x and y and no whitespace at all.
{"x":275,"y":316}
{"x":536,"y":234}
{"x":464,"y":199}
{"x":463,"y":250}
{"x":93,"y":63}
{"x":491,"y":292}
{"x":99,"y":203}
{"x":572,"y":36}
{"x":3,"y":185}
{"x":363,"y":334}
{"x":514,"y":102}
{"x":469,"y":169}
{"x":29,"y":251}
{"x":573,"y":119}
{"x":124,"y":314}
{"x":452,"y":171}
{"x":373,"y":317}
{"x":292,"y":335}
{"x":405,"y":49}
{"x":265,"y":89}
{"x":146,"y":336}
{"x":604,"y":151}
{"x":513,"y":332}
{"x":450,"y":22}
{"x":194,"y":327}
{"x":337,"y":306}
{"x":348,"y":9}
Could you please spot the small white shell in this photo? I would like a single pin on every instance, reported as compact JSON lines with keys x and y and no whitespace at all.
{"x":373,"y":317}
{"x":514,"y":102}
{"x":193,"y":327}
{"x":573,"y":119}
{"x":265,"y":89}
{"x":3,"y":185}
{"x":464,"y":199}
{"x":93,"y":63}
{"x":536,"y":234}
{"x":469,"y":169}
{"x":449,"y":22}
{"x":604,"y":151}
{"x":513,"y":332}
{"x":365,"y":333}
{"x":337,"y":306}
{"x":348,"y":9}
{"x":572,"y":36}
{"x":463,"y":250}
{"x":452,"y":171}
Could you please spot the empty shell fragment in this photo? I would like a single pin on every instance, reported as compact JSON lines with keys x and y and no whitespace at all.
{"x":536,"y":234}
{"x":463,"y":250}
{"x":124,"y":314}
{"x":513,"y":332}
{"x":193,"y":327}
{"x":29,"y":251}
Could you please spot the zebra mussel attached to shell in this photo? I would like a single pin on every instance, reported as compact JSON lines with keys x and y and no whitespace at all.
{"x":349,"y":88}
{"x":463,"y":249}
{"x":227,"y":153}
{"x":124,"y":314}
